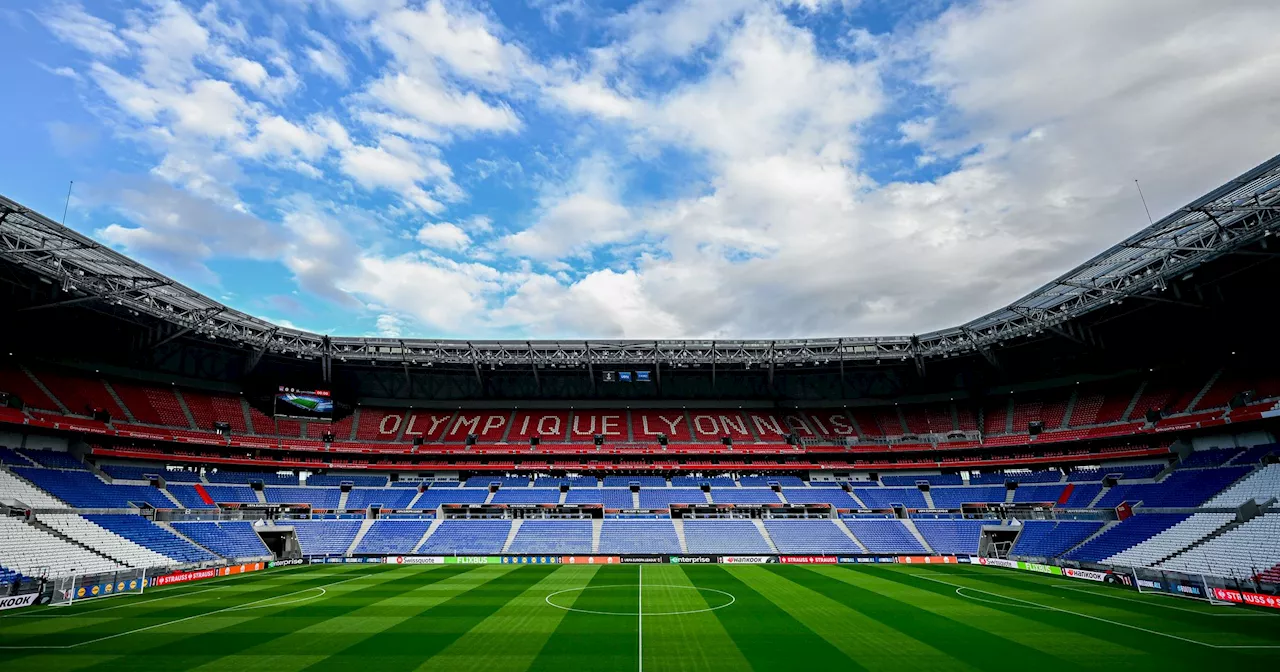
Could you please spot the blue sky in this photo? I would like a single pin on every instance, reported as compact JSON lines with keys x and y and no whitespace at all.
{"x":565,"y":168}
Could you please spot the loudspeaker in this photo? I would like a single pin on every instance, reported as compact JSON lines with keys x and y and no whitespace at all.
{"x":11,"y":400}
{"x":1241,"y":399}
{"x":1035,"y":427}
{"x":534,"y":440}
{"x":417,"y":440}
{"x":1154,"y":415}
{"x":662,"y":439}
{"x":222,"y":427}
{"x":101,"y":415}
{"x":471,"y":439}
{"x":790,"y":439}
{"x":726,"y":440}
{"x":598,"y":439}
{"x":328,"y":437}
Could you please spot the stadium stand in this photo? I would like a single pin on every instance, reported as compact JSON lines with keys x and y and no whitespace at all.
{"x":31,"y":551}
{"x":393,"y":537}
{"x":12,"y":487}
{"x":1129,"y":532}
{"x":318,"y":498}
{"x":1261,"y":486}
{"x":744,"y":496}
{"x":835,"y":497}
{"x":146,"y":533}
{"x":104,"y":541}
{"x":360,"y":499}
{"x":467,"y":537}
{"x":526,"y":496}
{"x":724,"y":536}
{"x":325,"y":537}
{"x":638,"y":537}
{"x":1052,"y":538}
{"x":1164,"y":544}
{"x":85,"y":490}
{"x":234,"y":540}
{"x":884,"y":498}
{"x":809,"y":536}
{"x":958,"y":537}
{"x":552,"y":536}
{"x":953,"y":498}
{"x":334,"y":480}
{"x":1241,"y":552}
{"x":884,"y":536}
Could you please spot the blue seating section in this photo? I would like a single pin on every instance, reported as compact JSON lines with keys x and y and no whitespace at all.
{"x":834,"y":496}
{"x":724,"y":536}
{"x":884,"y":536}
{"x":958,"y":537}
{"x":1209,"y":458}
{"x":54,"y":459}
{"x":82,"y":489}
{"x":1252,"y":456}
{"x":638,"y":537}
{"x":1183,"y":488}
{"x":136,"y":473}
{"x":552,"y":536}
{"x":393,"y":537}
{"x":143,"y":532}
{"x":187,"y":496}
{"x":1051,"y":538}
{"x":744,"y":496}
{"x":931,"y":479}
{"x":696,"y":481}
{"x":661,"y":498}
{"x":625,"y":481}
{"x":231,"y":540}
{"x":358,"y":480}
{"x":506,"y":481}
{"x":611,"y":498}
{"x":231,"y":493}
{"x":324,"y":537}
{"x":433,"y":498}
{"x":1082,"y":495}
{"x":467,"y":537}
{"x":318,"y":498}
{"x":1131,"y":531}
{"x":764,"y":481}
{"x":883,"y":498}
{"x":1049,"y":476}
{"x":8,"y":576}
{"x":526,"y":496}
{"x":952,"y":498}
{"x":575,"y":481}
{"x":11,"y":457}
{"x":360,"y":499}
{"x":247,"y":477}
{"x":809,"y":536}
{"x":1038,"y":493}
{"x":1131,"y":472}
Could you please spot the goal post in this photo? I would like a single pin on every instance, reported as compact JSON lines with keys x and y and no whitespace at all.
{"x":68,"y":590}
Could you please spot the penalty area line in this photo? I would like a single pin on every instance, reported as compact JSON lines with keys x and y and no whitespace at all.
{"x":1103,"y":620}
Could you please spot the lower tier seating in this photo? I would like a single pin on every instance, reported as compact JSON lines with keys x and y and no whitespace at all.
{"x":141,"y":531}
{"x":552,"y":536}
{"x":467,"y":537}
{"x":809,"y":536}
{"x":232,"y":540}
{"x":724,"y":536}
{"x":638,"y":537}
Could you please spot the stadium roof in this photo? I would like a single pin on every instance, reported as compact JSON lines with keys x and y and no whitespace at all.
{"x":1237,"y":214}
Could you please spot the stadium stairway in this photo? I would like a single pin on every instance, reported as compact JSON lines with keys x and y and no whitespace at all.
{"x":128,"y":414}
{"x":342,"y":500}
{"x":911,"y":527}
{"x":186,"y":412}
{"x":364,"y":529}
{"x":52,"y":531}
{"x":635,"y":504}
{"x":678,"y":523}
{"x":261,"y":495}
{"x":928,"y":500}
{"x":413,"y":502}
{"x":435,"y":525}
{"x":1101,"y":531}
{"x":1101,"y":493}
{"x":845,"y":528}
{"x":854,"y":497}
{"x":174,"y":531}
{"x":597,"y":525}
{"x":765,"y":533}
{"x":511,"y":536}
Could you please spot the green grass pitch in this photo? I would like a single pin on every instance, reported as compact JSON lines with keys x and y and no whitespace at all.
{"x":367,"y":618}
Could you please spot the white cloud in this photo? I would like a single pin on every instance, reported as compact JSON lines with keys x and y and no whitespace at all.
{"x":326,"y":57}
{"x":402,"y":167}
{"x":443,"y":236}
{"x":95,"y":35}
{"x":438,"y":107}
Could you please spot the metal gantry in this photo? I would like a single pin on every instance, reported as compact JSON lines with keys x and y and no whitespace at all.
{"x":1234,"y":218}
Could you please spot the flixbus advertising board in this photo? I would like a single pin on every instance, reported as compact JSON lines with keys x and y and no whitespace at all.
{"x":472,"y":560}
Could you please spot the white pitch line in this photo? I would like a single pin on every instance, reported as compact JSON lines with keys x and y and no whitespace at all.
{"x":126,"y":603}
{"x":174,"y":622}
{"x":1165,"y":606}
{"x":1103,"y":620}
{"x":640,"y":618}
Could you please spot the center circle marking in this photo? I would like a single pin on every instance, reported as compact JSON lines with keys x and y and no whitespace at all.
{"x":646,"y":612}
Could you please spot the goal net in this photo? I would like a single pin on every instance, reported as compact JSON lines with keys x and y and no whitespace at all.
{"x":71,"y":589}
{"x":1176,"y":584}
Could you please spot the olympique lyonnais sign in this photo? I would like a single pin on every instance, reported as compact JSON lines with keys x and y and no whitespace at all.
{"x":1244,"y":597}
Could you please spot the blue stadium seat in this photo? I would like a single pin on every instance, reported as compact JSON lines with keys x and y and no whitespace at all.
{"x":952,"y":537}
{"x":232,"y":540}
{"x":884,"y":535}
{"x":809,"y":536}
{"x":360,"y":499}
{"x":552,"y":536}
{"x":324,"y":537}
{"x":724,"y":536}
{"x":146,"y":533}
{"x":318,"y":498}
{"x":744,"y":496}
{"x":393,"y":537}
{"x":467,"y":537}
{"x":639,"y":537}
{"x":1132,"y":530}
{"x":834,"y":496}
{"x":1051,"y":538}
{"x":84,"y":490}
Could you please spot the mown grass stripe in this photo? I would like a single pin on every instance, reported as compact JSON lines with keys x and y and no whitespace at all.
{"x":428,"y":631}
{"x":769,"y":638}
{"x":590,"y":641}
{"x":870,"y":643}
{"x":917,"y":612}
{"x":693,"y":641}
{"x":511,"y":638}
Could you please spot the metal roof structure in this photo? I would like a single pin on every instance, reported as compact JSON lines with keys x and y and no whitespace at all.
{"x":1238,"y":214}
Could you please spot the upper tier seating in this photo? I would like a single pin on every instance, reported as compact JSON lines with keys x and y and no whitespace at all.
{"x":932,"y":479}
{"x":884,"y":498}
{"x":54,"y":459}
{"x":360,"y":499}
{"x":31,"y":551}
{"x":393,"y":537}
{"x":104,"y":541}
{"x":552,"y":536}
{"x":1082,"y":494}
{"x":698,"y":481}
{"x":232,"y":540}
{"x":467,"y":537}
{"x":953,"y":498}
{"x":662,"y":498}
{"x":1254,"y":455}
{"x":324,"y":537}
{"x":143,"y":532}
{"x":1261,"y":486}
{"x":1051,"y":538}
{"x":136,"y":473}
{"x":85,"y":490}
{"x":611,"y":498}
{"x":1129,"y":532}
{"x":1210,"y":458}
{"x":433,"y":498}
{"x":1038,"y":493}
{"x":764,"y":481}
{"x":575,"y":481}
{"x":638,"y":537}
{"x":834,"y":496}
{"x":318,"y":498}
{"x":189,"y":497}
{"x":526,"y":496}
{"x":724,"y":536}
{"x":744,"y":496}
{"x":884,"y":535}
{"x":1239,"y":553}
{"x":10,"y":457}
{"x":1129,"y":472}
{"x":505,"y":481}
{"x":809,"y":536}
{"x":246,"y":477}
{"x":953,"y":537}
{"x":625,"y":481}
{"x":1182,"y":488}
{"x":1170,"y":541}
